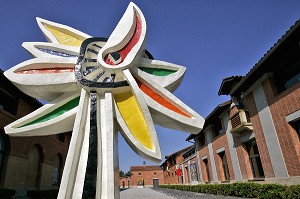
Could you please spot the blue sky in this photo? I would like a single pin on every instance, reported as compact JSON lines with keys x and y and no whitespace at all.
{"x":214,"y":39}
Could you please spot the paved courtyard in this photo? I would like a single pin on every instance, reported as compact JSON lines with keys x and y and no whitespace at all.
{"x":149,"y":193}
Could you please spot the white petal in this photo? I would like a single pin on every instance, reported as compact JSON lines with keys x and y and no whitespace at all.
{"x":44,"y":49}
{"x":170,"y":81}
{"x":147,"y":135}
{"x":169,"y":111}
{"x":61,"y":123}
{"x":44,"y":85}
{"x":64,"y":34}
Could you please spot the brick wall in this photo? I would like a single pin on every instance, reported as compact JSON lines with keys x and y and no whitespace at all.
{"x":126,"y":182}
{"x":146,"y":173}
{"x":280,"y":106}
{"x":260,"y":140}
{"x":203,"y":151}
{"x":14,"y":171}
{"x":217,"y":143}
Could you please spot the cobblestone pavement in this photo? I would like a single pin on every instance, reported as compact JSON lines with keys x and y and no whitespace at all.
{"x":149,"y":193}
{"x":191,"y":195}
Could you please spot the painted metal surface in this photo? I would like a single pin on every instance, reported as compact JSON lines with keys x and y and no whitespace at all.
{"x":96,"y":91}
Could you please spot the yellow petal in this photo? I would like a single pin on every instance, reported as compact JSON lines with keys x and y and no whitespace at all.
{"x":134,"y":118}
{"x":64,"y":37}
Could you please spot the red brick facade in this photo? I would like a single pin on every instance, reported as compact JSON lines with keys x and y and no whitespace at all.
{"x":27,"y":162}
{"x":181,"y":167}
{"x":280,"y":106}
{"x":144,"y":175}
{"x":259,"y":135}
{"x":125,"y":182}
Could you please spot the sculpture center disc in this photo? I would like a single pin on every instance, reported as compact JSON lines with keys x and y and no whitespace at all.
{"x":90,"y":74}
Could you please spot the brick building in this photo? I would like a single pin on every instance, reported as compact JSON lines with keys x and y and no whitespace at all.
{"x":146,"y":175}
{"x":125,"y":182}
{"x":187,"y":169}
{"x":27,"y":162}
{"x":174,"y":162}
{"x":213,"y":154}
{"x":254,"y":136}
{"x":270,"y":93}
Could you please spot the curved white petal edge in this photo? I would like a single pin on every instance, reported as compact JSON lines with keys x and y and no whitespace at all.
{"x":155,"y":154}
{"x":123,"y":34}
{"x":45,"y":86}
{"x":51,"y":77}
{"x":170,"y":82}
{"x":168,"y":118}
{"x":35,"y":49}
{"x":62,"y":123}
{"x":51,"y":38}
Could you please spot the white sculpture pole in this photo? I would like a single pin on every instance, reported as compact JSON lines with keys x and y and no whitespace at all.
{"x":95,"y":88}
{"x":110,"y":158}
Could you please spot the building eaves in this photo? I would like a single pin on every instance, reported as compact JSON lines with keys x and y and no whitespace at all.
{"x":145,"y":168}
{"x":218,"y":110}
{"x":176,"y":154}
{"x":228,"y":83}
{"x":257,"y":66}
{"x":214,"y":114}
{"x":191,"y":149}
{"x":180,"y":151}
{"x":191,"y":136}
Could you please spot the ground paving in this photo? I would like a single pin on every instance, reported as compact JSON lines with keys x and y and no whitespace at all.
{"x":143,"y":193}
{"x":149,"y":193}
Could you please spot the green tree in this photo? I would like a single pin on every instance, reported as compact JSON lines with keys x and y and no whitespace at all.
{"x":128,"y":174}
{"x":122,"y":174}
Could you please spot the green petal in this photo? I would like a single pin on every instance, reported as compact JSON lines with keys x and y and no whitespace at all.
{"x":157,"y":71}
{"x":56,"y":112}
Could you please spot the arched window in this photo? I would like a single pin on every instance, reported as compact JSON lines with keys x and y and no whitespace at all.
{"x":57,"y":169}
{"x":35,"y":157}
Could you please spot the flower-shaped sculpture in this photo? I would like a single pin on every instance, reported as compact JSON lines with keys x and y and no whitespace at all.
{"x":95,"y":87}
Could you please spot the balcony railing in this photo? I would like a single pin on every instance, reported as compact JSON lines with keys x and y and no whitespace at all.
{"x":240,"y":121}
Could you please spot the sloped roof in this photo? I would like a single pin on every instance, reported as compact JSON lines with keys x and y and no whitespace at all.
{"x":264,"y":65}
{"x":145,"y":168}
{"x":212,"y":116}
{"x":181,"y":151}
{"x":228,"y":83}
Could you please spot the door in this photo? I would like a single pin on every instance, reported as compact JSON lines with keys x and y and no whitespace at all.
{"x":155,"y":182}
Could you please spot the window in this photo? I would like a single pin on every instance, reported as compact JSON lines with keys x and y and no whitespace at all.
{"x":288,"y":74}
{"x":224,"y":165}
{"x":8,"y":102}
{"x":296,"y":126}
{"x":292,"y":81}
{"x":207,"y":170}
{"x":202,"y":140}
{"x":255,"y":162}
{"x":140,"y":174}
{"x":217,"y":128}
{"x":189,"y":154}
{"x":155,"y":173}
